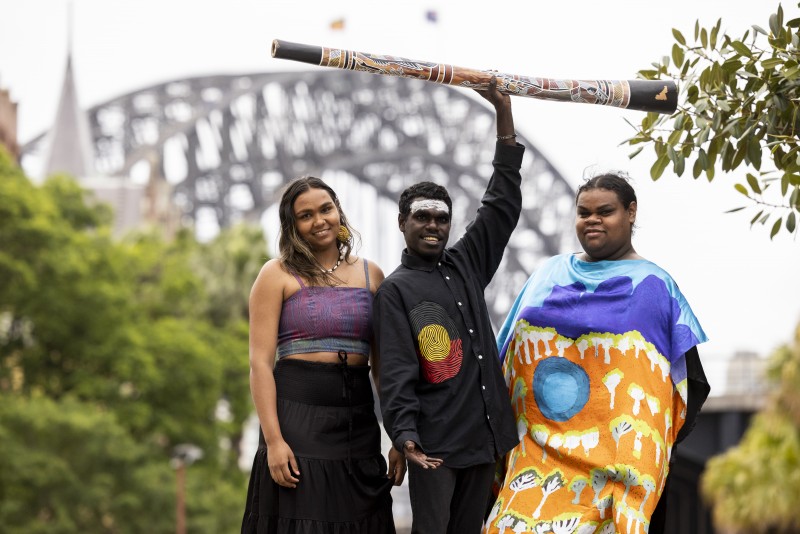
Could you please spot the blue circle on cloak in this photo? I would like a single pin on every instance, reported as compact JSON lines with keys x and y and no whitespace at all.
{"x":560,"y":387}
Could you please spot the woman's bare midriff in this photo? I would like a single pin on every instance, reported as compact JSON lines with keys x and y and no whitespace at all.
{"x":330,"y":357}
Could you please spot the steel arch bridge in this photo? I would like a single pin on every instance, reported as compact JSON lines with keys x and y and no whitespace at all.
{"x":228,"y":143}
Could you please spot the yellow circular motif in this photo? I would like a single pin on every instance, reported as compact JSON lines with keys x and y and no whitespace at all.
{"x":434,"y":342}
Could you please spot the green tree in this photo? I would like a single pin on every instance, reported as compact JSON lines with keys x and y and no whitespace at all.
{"x":754,"y":487}
{"x":68,"y":466}
{"x":739,"y":107}
{"x":126,"y":343}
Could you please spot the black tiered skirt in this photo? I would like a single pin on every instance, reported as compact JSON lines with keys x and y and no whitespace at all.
{"x":327,"y":417}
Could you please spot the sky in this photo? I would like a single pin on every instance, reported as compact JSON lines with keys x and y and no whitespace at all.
{"x":743,"y":286}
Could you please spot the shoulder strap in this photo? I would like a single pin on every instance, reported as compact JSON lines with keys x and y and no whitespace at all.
{"x":299,"y":280}
{"x":366,"y":271}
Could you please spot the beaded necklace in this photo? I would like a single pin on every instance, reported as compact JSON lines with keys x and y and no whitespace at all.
{"x":338,"y":262}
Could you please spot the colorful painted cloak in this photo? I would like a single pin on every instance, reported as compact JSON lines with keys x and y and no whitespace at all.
{"x":594,"y":358}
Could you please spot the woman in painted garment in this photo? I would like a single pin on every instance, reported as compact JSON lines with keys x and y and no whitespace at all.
{"x":318,"y":468}
{"x":600,"y":357}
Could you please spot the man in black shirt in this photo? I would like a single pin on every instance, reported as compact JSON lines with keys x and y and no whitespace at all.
{"x":444,"y":400}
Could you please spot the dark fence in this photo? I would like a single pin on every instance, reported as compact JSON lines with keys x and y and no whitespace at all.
{"x":686,"y":511}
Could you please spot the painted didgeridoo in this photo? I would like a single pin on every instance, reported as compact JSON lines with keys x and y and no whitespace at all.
{"x":659,"y":96}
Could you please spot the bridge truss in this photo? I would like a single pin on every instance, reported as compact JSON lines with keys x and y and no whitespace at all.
{"x":227,"y":144}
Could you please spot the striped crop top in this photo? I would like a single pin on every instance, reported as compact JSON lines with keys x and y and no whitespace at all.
{"x":326,"y":319}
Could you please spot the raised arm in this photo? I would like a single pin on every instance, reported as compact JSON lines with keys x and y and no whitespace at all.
{"x":486,"y":237}
{"x":502,"y":108}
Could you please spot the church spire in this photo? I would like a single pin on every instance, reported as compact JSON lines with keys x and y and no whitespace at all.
{"x":70,"y":147}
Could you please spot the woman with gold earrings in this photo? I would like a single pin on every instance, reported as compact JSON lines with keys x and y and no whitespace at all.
{"x":319,"y":463}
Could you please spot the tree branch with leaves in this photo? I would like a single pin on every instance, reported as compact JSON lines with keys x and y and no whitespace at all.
{"x":739,"y":107}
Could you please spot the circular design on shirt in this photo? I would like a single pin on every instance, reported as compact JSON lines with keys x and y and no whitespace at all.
{"x":439,"y":348}
{"x":560,"y":387}
{"x":434,"y":343}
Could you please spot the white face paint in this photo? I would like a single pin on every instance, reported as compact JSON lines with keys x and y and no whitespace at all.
{"x":429,"y":204}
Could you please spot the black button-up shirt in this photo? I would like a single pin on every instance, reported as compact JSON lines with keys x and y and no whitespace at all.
{"x":442,"y":385}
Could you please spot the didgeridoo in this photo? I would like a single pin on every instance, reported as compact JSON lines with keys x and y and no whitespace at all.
{"x":659,"y":96}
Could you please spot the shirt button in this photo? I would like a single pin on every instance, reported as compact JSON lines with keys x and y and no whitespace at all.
{"x":484,"y":387}
{"x":470,"y":330}
{"x":487,"y":417}
{"x":480,"y":356}
{"x":459,"y":304}
{"x":447,"y":278}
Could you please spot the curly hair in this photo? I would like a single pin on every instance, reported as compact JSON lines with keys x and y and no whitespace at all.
{"x":296,"y":256}
{"x":423,"y":190}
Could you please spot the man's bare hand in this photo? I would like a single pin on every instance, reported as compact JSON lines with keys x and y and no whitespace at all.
{"x":415,"y":455}
{"x":496,"y":98}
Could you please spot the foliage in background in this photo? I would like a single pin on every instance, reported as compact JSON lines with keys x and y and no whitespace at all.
{"x":754,"y":487}
{"x":112,"y":352}
{"x":739,"y":107}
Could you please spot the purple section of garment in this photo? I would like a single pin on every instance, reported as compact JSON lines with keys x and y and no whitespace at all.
{"x":617,"y":307}
{"x":326,"y":312}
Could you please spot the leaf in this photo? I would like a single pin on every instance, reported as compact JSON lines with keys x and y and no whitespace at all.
{"x":674,"y":137}
{"x":790,"y":222}
{"x":792,"y":73}
{"x":702,"y":158}
{"x":759,"y":29}
{"x":727,"y":154}
{"x":771,"y":63}
{"x":776,"y":228}
{"x":678,"y":36}
{"x":742,"y":189}
{"x":679,"y":165}
{"x":734,"y":210}
{"x":677,"y":56}
{"x":774,"y":25}
{"x":659,"y":147}
{"x":754,"y":219}
{"x":635,"y":153}
{"x":658,"y":167}
{"x":671,"y":154}
{"x":704,"y":134}
{"x":697,"y":169}
{"x":753,"y":182}
{"x":704,"y":37}
{"x":731,"y":67}
{"x":692,"y":94}
{"x":741,"y":48}
{"x":649,"y":120}
{"x":738,"y":155}
{"x":754,"y":152}
{"x":714,"y":32}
